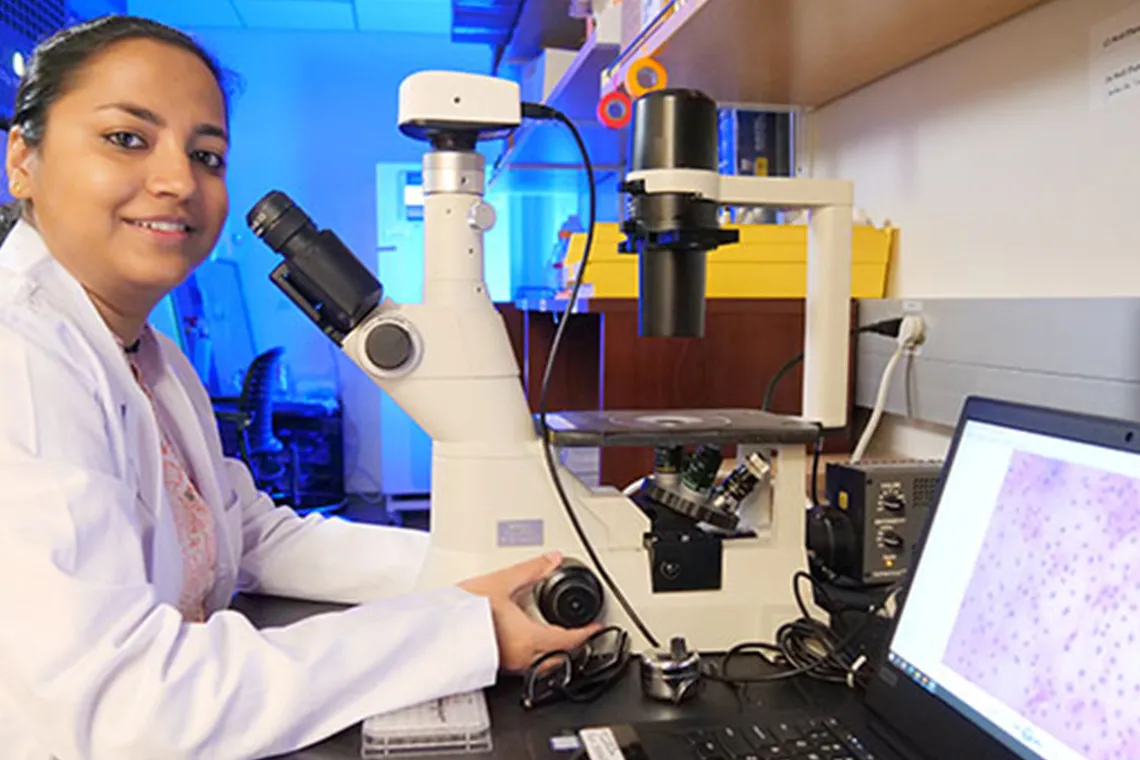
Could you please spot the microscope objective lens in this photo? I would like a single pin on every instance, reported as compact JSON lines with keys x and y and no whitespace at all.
{"x":702,"y":469}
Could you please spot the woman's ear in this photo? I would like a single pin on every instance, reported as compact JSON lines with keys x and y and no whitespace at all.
{"x":18,"y":164}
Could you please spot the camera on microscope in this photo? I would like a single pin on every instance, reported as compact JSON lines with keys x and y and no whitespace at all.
{"x":453,"y":110}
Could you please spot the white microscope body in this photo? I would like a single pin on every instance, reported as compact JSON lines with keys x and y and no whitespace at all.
{"x":449,"y":364}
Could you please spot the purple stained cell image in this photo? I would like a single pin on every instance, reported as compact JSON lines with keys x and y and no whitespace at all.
{"x":1051,"y":618}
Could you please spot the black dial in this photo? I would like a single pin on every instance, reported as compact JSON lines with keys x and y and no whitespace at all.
{"x":892,"y":540}
{"x":892,"y":501}
{"x":389,"y":346}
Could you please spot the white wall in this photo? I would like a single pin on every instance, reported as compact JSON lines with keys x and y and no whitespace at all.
{"x":1003,"y":177}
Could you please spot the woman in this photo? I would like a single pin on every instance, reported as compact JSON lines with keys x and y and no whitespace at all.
{"x":125,"y":531}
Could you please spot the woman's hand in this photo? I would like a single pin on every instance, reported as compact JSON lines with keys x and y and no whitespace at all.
{"x":521,"y":638}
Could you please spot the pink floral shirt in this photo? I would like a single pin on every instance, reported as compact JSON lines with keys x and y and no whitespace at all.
{"x":194,"y":520}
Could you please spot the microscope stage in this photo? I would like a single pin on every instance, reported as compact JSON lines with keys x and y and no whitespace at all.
{"x":676,"y":427}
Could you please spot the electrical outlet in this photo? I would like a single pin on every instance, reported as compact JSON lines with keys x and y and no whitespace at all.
{"x":912,"y":333}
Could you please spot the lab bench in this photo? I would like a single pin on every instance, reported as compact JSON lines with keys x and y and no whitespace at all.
{"x":519,"y":733}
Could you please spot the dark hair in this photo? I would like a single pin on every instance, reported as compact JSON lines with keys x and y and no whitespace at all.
{"x":60,"y":57}
{"x":57,"y":59}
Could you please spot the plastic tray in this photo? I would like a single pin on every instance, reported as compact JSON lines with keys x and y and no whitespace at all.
{"x":456,"y":725}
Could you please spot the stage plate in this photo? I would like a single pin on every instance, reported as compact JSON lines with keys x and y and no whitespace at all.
{"x":676,"y":427}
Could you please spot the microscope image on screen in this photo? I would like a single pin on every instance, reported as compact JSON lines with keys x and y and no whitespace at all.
{"x":1048,"y":646}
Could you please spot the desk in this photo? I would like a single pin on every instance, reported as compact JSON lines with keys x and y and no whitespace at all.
{"x":514,"y":729}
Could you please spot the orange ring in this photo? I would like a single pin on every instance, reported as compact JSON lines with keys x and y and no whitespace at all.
{"x":624,"y":109}
{"x":633,"y":77}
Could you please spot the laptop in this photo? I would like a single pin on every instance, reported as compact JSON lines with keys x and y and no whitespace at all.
{"x":1018,"y":635}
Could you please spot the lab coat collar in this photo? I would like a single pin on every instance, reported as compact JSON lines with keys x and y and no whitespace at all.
{"x":25,"y":254}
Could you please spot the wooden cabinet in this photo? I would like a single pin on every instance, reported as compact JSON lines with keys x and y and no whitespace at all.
{"x":604,"y":364}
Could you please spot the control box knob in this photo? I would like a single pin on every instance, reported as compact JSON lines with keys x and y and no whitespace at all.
{"x":892,"y":540}
{"x":893,"y":502}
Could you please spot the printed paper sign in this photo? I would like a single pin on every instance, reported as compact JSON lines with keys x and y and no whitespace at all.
{"x":1114,"y":59}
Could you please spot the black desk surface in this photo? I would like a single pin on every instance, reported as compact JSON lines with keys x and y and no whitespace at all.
{"x":514,"y":730}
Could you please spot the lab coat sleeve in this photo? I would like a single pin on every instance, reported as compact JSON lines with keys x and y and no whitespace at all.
{"x":312,"y":557}
{"x":97,"y":669}
{"x":319,"y":558}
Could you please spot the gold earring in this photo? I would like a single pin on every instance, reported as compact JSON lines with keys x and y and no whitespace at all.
{"x":17,"y":187}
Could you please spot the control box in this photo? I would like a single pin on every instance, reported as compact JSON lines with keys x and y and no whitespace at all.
{"x":875,"y":516}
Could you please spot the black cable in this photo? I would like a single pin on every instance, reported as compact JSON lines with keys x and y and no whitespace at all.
{"x":538,"y":111}
{"x":807,"y":646}
{"x":817,"y":450}
{"x":887,"y":327}
{"x":792,"y":363}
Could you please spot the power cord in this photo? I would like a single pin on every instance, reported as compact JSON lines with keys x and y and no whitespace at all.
{"x":910,"y":334}
{"x":539,"y":111}
{"x":908,"y":331}
{"x":817,"y":449}
{"x":807,"y":646}
{"x":888,"y":327}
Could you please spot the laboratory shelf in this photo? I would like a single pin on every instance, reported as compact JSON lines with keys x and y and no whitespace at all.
{"x":538,"y":146}
{"x":802,"y":53}
{"x":577,"y":91}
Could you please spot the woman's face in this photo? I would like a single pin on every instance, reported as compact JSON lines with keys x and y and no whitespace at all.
{"x":128,"y":186}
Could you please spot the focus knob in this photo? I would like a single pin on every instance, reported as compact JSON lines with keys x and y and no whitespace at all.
{"x":571,"y":596}
{"x":481,"y":216}
{"x":389,"y":346}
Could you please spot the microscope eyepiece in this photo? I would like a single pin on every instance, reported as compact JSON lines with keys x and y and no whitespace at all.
{"x":319,"y":273}
{"x":276,"y":218}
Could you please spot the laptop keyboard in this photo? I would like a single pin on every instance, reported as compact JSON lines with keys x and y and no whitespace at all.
{"x":810,"y":739}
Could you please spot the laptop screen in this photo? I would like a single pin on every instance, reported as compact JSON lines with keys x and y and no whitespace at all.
{"x":1024,"y":611}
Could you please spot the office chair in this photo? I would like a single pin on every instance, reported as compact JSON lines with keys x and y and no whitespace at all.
{"x":259,"y":446}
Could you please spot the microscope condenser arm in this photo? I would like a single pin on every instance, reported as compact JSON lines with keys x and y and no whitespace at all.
{"x":674,"y":191}
{"x":827,"y":317}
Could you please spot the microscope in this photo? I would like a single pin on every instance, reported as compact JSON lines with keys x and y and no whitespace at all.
{"x":708,"y":562}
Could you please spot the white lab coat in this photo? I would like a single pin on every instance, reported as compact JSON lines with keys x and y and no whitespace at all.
{"x":95,"y":660}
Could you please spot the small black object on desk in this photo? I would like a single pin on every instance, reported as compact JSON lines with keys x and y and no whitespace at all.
{"x":520,"y":733}
{"x":582,"y":675}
